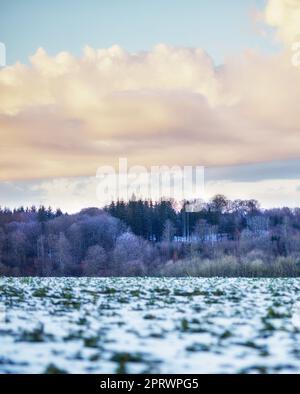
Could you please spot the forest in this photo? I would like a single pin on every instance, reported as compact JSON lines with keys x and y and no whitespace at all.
{"x":144,"y":238}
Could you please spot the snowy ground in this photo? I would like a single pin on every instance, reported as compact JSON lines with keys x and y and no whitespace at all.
{"x":134,"y":325}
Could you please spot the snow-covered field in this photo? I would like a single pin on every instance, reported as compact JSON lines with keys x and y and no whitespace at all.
{"x":149,"y":325}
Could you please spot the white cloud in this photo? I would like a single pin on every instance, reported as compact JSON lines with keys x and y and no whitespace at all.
{"x":284,"y":15}
{"x":64,"y":116}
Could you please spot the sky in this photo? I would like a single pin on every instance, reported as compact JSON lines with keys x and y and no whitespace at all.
{"x":221,"y":27}
{"x":211,"y":83}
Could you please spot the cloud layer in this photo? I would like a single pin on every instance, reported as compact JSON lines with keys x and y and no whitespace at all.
{"x":284,"y":15}
{"x":65,"y":116}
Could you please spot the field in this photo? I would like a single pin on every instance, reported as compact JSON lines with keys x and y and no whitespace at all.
{"x":149,"y":325}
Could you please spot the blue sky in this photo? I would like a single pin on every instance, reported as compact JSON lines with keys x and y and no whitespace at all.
{"x":221,"y":27}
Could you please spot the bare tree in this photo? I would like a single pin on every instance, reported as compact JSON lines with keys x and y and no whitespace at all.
{"x":95,"y":261}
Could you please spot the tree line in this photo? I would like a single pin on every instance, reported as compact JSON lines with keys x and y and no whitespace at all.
{"x":220,"y":237}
